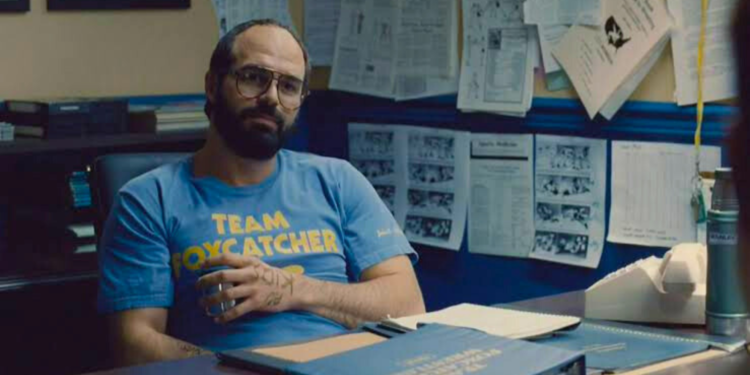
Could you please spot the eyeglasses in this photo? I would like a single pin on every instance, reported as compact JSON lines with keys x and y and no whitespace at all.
{"x":254,"y":81}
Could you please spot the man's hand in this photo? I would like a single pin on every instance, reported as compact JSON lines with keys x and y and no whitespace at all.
{"x":257,"y":286}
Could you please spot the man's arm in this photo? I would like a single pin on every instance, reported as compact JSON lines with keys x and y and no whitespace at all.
{"x":387,"y":288}
{"x":138,"y":336}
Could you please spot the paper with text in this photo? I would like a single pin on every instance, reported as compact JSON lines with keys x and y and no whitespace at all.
{"x":321,"y":21}
{"x":719,"y":75}
{"x":418,"y":85}
{"x":220,"y":11}
{"x":239,"y":11}
{"x":557,"y":12}
{"x":425,"y":35}
{"x":570,"y":178}
{"x":549,"y":37}
{"x":491,"y":320}
{"x":501,"y":219}
{"x":365,"y":53}
{"x":651,"y":192}
{"x":600,"y":59}
{"x":498,"y":57}
{"x":623,"y":93}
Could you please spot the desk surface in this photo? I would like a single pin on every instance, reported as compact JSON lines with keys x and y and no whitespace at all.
{"x":567,"y":303}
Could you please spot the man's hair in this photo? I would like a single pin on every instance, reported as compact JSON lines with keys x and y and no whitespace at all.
{"x":223,"y":57}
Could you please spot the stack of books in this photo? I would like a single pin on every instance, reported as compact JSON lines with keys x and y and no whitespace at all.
{"x":171,"y":117}
{"x":6,"y":131}
{"x":80,"y":191}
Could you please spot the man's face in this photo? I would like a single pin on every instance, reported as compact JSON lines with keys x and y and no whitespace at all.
{"x":257,"y":128}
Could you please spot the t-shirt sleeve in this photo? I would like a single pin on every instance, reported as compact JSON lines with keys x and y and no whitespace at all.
{"x":371,"y":234}
{"x":134,"y":267}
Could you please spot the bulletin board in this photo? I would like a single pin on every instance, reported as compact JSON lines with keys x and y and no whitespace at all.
{"x":449,"y":277}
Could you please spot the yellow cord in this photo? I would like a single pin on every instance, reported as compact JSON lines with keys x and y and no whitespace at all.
{"x":701,"y":50}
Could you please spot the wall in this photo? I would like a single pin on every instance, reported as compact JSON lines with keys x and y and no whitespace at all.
{"x":147,"y":52}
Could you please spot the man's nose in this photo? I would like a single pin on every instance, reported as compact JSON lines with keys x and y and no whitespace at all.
{"x":271,"y":96}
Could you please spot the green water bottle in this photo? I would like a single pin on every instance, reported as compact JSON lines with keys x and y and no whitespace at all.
{"x":726,"y":308}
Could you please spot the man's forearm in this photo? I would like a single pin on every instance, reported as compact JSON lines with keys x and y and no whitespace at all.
{"x":351,"y":304}
{"x":147,"y":345}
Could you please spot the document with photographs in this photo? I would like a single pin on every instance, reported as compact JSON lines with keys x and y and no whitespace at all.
{"x":569,"y":209}
{"x":558,"y":12}
{"x":365,"y":53}
{"x":651,"y":206}
{"x":373,"y":151}
{"x":321,"y":21}
{"x":438,"y":183}
{"x":501,"y":203}
{"x":498,"y":57}
{"x":598,"y":60}
{"x":719,"y":75}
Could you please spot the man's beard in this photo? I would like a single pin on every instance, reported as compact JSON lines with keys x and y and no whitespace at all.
{"x":253,"y":142}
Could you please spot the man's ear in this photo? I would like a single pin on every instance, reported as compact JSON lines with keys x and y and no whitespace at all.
{"x":211,"y":85}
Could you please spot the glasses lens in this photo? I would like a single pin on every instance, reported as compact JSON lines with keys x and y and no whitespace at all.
{"x":253,"y":82}
{"x":290,"y":92}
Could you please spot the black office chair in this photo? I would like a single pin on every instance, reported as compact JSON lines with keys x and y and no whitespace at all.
{"x":110,"y":172}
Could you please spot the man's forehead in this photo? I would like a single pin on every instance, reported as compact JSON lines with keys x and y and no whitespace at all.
{"x":270,"y":46}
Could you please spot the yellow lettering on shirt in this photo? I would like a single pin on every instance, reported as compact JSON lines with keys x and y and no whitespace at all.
{"x":234,"y":225}
{"x":193,"y":262}
{"x":266,"y":241}
{"x":219,"y":219}
{"x":276,"y":222}
{"x":213,"y":249}
{"x":277,"y":244}
{"x":250,"y":248}
{"x":251,"y":225}
{"x":314,"y":237}
{"x":296,"y":243}
{"x":329,"y":241}
{"x":226,"y":248}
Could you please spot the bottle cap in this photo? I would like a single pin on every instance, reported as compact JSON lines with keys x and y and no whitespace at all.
{"x":724,"y":196}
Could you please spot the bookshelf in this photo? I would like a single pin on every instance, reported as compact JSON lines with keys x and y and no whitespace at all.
{"x":32,"y":145}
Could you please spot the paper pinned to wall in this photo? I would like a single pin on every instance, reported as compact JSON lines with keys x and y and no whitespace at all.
{"x":438,"y":186}
{"x":719,"y":68}
{"x":651,"y":205}
{"x":365,"y":52}
{"x":600,"y":59}
{"x":501,"y":219}
{"x":425,"y":38}
{"x":557,"y":12}
{"x":623,"y":93}
{"x":421,"y":175}
{"x":569,"y":210}
{"x":321,"y":20}
{"x":374,"y":151}
{"x":498,"y":58}
{"x":231,"y":13}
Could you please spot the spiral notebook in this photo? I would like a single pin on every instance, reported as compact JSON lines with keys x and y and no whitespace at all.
{"x":618,"y":347}
{"x":497,"y":321}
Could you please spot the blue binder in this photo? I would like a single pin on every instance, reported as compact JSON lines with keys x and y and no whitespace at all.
{"x":430,"y":349}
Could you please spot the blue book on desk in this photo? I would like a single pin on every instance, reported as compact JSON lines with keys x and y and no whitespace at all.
{"x":431,"y":349}
{"x":622,"y":347}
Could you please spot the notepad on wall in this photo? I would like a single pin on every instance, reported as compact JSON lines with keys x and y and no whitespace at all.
{"x":492,"y":320}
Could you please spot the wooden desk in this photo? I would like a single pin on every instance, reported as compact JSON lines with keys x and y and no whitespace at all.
{"x":567,"y":303}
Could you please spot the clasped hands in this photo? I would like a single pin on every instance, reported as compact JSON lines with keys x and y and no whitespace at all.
{"x":256,"y":286}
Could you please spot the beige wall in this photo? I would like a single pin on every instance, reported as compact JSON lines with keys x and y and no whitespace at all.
{"x":147,"y":52}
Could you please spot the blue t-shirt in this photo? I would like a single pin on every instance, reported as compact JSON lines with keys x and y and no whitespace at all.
{"x":314,"y":215}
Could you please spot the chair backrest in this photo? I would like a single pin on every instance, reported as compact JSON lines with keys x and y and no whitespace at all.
{"x":110,"y":172}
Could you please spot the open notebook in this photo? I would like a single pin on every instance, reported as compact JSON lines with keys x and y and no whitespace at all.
{"x":492,"y":320}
